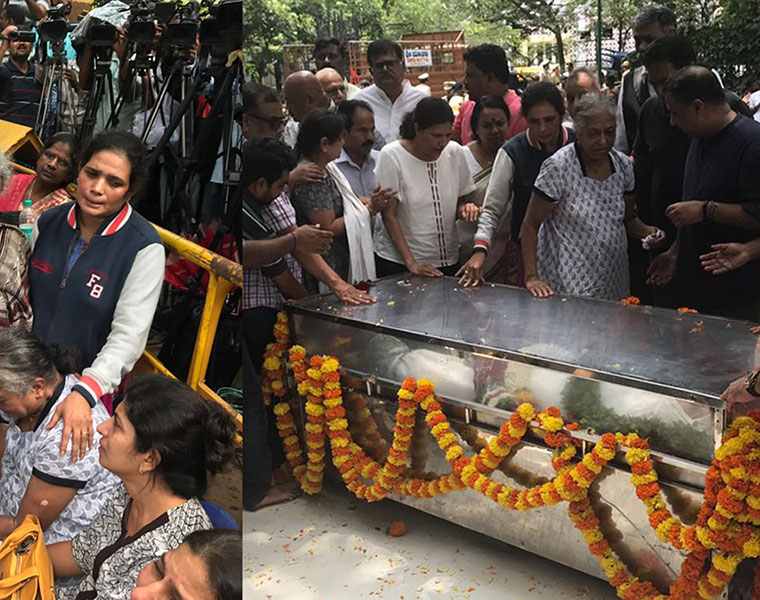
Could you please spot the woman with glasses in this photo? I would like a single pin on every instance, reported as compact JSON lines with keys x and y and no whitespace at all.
{"x":55,"y":169}
{"x":391,"y":96}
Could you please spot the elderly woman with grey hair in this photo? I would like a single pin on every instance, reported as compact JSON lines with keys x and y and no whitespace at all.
{"x":36,"y":479}
{"x":573,"y":236}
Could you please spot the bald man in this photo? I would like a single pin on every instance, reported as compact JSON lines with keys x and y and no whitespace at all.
{"x":333,"y":84}
{"x":579,"y":83}
{"x":303,"y":94}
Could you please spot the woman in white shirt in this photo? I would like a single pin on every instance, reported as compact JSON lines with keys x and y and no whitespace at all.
{"x":434,"y":185}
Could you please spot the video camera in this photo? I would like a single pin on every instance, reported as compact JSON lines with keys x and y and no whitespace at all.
{"x":56,"y":26}
{"x":101,"y":34}
{"x":225,"y":21}
{"x":142,"y":28}
{"x":22,"y":35}
{"x":182,"y":34}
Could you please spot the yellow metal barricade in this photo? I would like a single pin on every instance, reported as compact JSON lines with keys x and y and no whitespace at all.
{"x":224,"y":276}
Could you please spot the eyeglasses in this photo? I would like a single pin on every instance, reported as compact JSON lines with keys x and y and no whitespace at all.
{"x":50,"y":157}
{"x":386,"y":65}
{"x":272,"y":122}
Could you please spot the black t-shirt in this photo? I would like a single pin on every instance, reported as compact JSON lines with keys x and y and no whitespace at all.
{"x":724,"y":168}
{"x":660,"y":150}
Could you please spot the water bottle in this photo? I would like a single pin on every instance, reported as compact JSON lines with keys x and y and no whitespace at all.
{"x":26,"y":219}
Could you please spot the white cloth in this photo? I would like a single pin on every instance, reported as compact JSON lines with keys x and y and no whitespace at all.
{"x":754,"y":103}
{"x":358,"y":230}
{"x":389,"y":115}
{"x":621,"y":139}
{"x":582,"y":244}
{"x":428,"y":195}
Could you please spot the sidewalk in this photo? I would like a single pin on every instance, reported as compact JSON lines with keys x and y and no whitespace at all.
{"x":333,"y":547}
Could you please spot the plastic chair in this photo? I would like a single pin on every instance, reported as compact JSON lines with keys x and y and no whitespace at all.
{"x":220,"y":518}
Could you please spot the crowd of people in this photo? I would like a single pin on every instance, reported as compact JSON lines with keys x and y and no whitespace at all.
{"x":562,"y":189}
{"x":114,"y":467}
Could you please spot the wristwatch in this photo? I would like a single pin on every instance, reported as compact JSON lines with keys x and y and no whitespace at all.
{"x":751,"y":382}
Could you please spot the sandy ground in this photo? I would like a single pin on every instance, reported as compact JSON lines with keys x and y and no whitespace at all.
{"x":226,"y":489}
{"x":333,"y":547}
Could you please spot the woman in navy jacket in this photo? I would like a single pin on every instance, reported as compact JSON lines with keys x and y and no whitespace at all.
{"x":96,"y":272}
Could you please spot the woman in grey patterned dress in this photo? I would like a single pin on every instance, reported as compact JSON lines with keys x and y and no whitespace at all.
{"x":574,"y":234}
{"x":161,"y":442}
{"x":66,"y":496}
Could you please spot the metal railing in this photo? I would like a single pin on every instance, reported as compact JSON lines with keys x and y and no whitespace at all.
{"x":224,"y":276}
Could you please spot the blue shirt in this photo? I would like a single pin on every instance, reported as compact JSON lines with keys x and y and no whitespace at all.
{"x":20,"y":94}
{"x":361,"y":178}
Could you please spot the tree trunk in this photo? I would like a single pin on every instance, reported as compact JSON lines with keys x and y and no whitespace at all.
{"x":560,"y":49}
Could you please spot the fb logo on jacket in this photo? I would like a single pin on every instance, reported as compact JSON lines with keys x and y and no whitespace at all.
{"x":96,"y":290}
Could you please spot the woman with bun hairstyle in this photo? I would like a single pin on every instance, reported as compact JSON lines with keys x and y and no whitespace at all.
{"x":36,"y":479}
{"x":205,"y":567}
{"x":162,"y":442}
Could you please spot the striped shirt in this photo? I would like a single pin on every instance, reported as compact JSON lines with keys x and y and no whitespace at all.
{"x":20,"y":94}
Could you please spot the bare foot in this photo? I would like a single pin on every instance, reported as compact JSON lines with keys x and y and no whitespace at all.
{"x":279,"y":494}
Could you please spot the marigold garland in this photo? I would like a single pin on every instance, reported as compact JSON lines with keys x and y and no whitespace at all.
{"x":728,"y":523}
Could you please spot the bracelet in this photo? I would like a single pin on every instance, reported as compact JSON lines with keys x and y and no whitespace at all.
{"x":710,"y":209}
{"x":295,"y":241}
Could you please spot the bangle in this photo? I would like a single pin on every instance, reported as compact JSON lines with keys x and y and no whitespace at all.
{"x":295,"y":241}
{"x":710,"y":209}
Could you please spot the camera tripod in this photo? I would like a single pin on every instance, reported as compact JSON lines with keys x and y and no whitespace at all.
{"x":54,"y":80}
{"x":103,"y":77}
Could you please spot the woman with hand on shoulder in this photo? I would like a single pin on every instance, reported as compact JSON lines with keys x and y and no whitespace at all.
{"x":95,"y":277}
{"x":434,"y":186}
{"x":162,"y":442}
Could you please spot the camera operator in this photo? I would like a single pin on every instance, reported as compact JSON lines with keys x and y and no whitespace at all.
{"x":33,"y":10}
{"x":20,"y":91}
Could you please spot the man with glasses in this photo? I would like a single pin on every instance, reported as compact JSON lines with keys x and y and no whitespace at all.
{"x":333,"y":84}
{"x":391,"y":96}
{"x":332,"y":53}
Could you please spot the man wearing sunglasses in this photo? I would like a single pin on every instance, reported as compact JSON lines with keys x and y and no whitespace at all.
{"x":391,"y":96}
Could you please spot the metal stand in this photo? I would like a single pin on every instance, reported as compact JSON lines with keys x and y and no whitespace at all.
{"x":103,"y":76}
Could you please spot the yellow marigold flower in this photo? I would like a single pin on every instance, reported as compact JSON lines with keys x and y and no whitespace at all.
{"x":281,"y":409}
{"x":338,"y":424}
{"x":726,"y":562}
{"x":592,"y":536}
{"x":331,"y":385}
{"x":729,"y":448}
{"x":330,"y":365}
{"x":303,"y":388}
{"x":480,"y":483}
{"x":526,"y":411}
{"x":605,"y":453}
{"x":447,"y":440}
{"x":468,"y":471}
{"x":751,"y":548}
{"x":552,"y":423}
{"x":291,"y":439}
{"x":748,"y":435}
{"x":489,"y":463}
{"x":314,"y":428}
{"x":440,"y":429}
{"x":590,"y":464}
{"x":453,"y":453}
{"x":272,"y":363}
{"x":314,"y":410}
{"x":333,"y":402}
{"x":636,"y":455}
{"x":753,"y":502}
{"x":315,"y":374}
{"x":703,"y":535}
{"x":712,"y":523}
{"x":650,"y":477}
{"x":567,"y":453}
{"x":405,"y":394}
{"x":426,"y":383}
{"x":339,"y":443}
{"x":339,"y":460}
{"x":292,"y":455}
{"x":491,"y":487}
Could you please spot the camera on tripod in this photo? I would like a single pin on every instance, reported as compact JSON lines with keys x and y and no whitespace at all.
{"x":56,"y":26}
{"x":183,"y":33}
{"x":226,"y":19}
{"x":142,"y":28}
{"x":22,"y":35}
{"x":101,"y":34}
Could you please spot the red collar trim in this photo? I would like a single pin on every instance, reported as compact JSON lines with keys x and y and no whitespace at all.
{"x":117,"y":221}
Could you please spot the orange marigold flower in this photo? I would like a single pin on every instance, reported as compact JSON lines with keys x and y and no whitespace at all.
{"x":648,"y":490}
{"x":599,"y":548}
{"x":642,"y":468}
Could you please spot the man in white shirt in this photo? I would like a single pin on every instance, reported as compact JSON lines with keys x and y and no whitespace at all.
{"x":652,"y":22}
{"x":391,"y":96}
